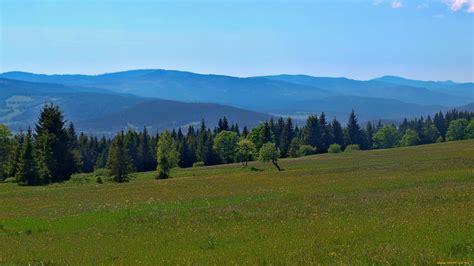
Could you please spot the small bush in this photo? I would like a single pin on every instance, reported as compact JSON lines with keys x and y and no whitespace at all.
{"x":198,"y":164}
{"x":335,"y":148}
{"x":307,"y":150}
{"x":81,"y":178}
{"x":9,"y":180}
{"x":101,"y":172}
{"x":253,"y":169}
{"x":352,"y":148}
{"x":98,"y":180}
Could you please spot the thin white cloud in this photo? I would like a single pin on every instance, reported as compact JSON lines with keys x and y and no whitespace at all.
{"x":471,"y":8}
{"x":458,"y":5}
{"x":397,"y":4}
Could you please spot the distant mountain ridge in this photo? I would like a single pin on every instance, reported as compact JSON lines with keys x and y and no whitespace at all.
{"x":387,"y":97}
{"x":105,"y":112}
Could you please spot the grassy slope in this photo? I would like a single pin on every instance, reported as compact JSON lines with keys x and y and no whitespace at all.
{"x":389,"y":206}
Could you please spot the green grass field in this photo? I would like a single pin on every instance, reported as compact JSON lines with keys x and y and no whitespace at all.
{"x":398,"y":206}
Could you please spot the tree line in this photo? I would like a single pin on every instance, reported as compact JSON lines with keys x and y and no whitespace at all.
{"x":53,"y":151}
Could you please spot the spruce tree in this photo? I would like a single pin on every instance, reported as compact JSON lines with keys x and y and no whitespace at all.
{"x":312,"y":132}
{"x":27,"y":173}
{"x":119,"y":162}
{"x":337,"y":132}
{"x":52,"y":146}
{"x":17,"y":149}
{"x":147,"y":161}
{"x":353,"y":130}
{"x":5,"y":150}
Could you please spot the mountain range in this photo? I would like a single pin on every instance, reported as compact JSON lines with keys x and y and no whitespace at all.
{"x":166,"y":98}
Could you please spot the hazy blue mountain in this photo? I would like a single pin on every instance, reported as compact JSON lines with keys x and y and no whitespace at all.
{"x":366,"y":108}
{"x":295,"y":95}
{"x":465,"y":90}
{"x":187,"y":86}
{"x":97,"y":110}
{"x":378,"y":89}
{"x":417,"y":83}
{"x":163,"y":114}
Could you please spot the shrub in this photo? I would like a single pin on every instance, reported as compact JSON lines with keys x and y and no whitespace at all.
{"x":198,"y":164}
{"x":98,"y":180}
{"x":352,"y":148}
{"x":10,"y":180}
{"x":307,"y":150}
{"x":81,"y":178}
{"x":334,"y":148}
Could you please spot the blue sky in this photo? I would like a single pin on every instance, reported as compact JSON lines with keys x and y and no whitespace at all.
{"x":431,"y":40}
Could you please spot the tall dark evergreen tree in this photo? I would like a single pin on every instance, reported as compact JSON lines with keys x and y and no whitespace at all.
{"x":27,"y":173}
{"x":17,"y":149}
{"x":286,"y":137}
{"x":52,"y":146}
{"x":146,"y":159}
{"x":353,"y":130}
{"x":369,"y":129}
{"x":119,"y":162}
{"x":337,"y":132}
{"x":312,"y":132}
{"x":326,"y":136}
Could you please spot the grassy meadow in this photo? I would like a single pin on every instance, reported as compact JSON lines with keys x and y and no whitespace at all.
{"x":410,"y":205}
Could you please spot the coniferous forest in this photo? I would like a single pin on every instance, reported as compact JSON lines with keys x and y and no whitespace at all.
{"x":53,"y":151}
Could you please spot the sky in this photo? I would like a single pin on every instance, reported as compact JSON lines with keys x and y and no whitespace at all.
{"x":420,"y":39}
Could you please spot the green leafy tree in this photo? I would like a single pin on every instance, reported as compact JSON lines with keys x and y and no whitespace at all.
{"x":410,"y":138}
{"x":119,"y":162}
{"x":27,"y":173}
{"x":295,"y":148}
{"x":245,"y":151}
{"x":269,"y":152}
{"x":457,"y":129}
{"x":225,"y":144}
{"x":5,"y":150}
{"x":470,"y":129}
{"x":386,"y":137}
{"x":166,"y":154}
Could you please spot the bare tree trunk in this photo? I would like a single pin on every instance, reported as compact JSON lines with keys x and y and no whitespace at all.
{"x":276,"y":165}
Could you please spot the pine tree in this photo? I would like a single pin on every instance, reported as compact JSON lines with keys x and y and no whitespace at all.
{"x":119,"y":162}
{"x":337,"y":132}
{"x":353,"y":130}
{"x":145,"y":155}
{"x":312,"y":132}
{"x":245,"y":132}
{"x":326,"y":136}
{"x":17,"y":149}
{"x":286,"y":137}
{"x":369,"y":134}
{"x":27,"y":173}
{"x":267,"y":133}
{"x":52,"y":146}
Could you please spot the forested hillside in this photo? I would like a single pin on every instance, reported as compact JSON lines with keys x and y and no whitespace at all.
{"x":52,"y":151}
